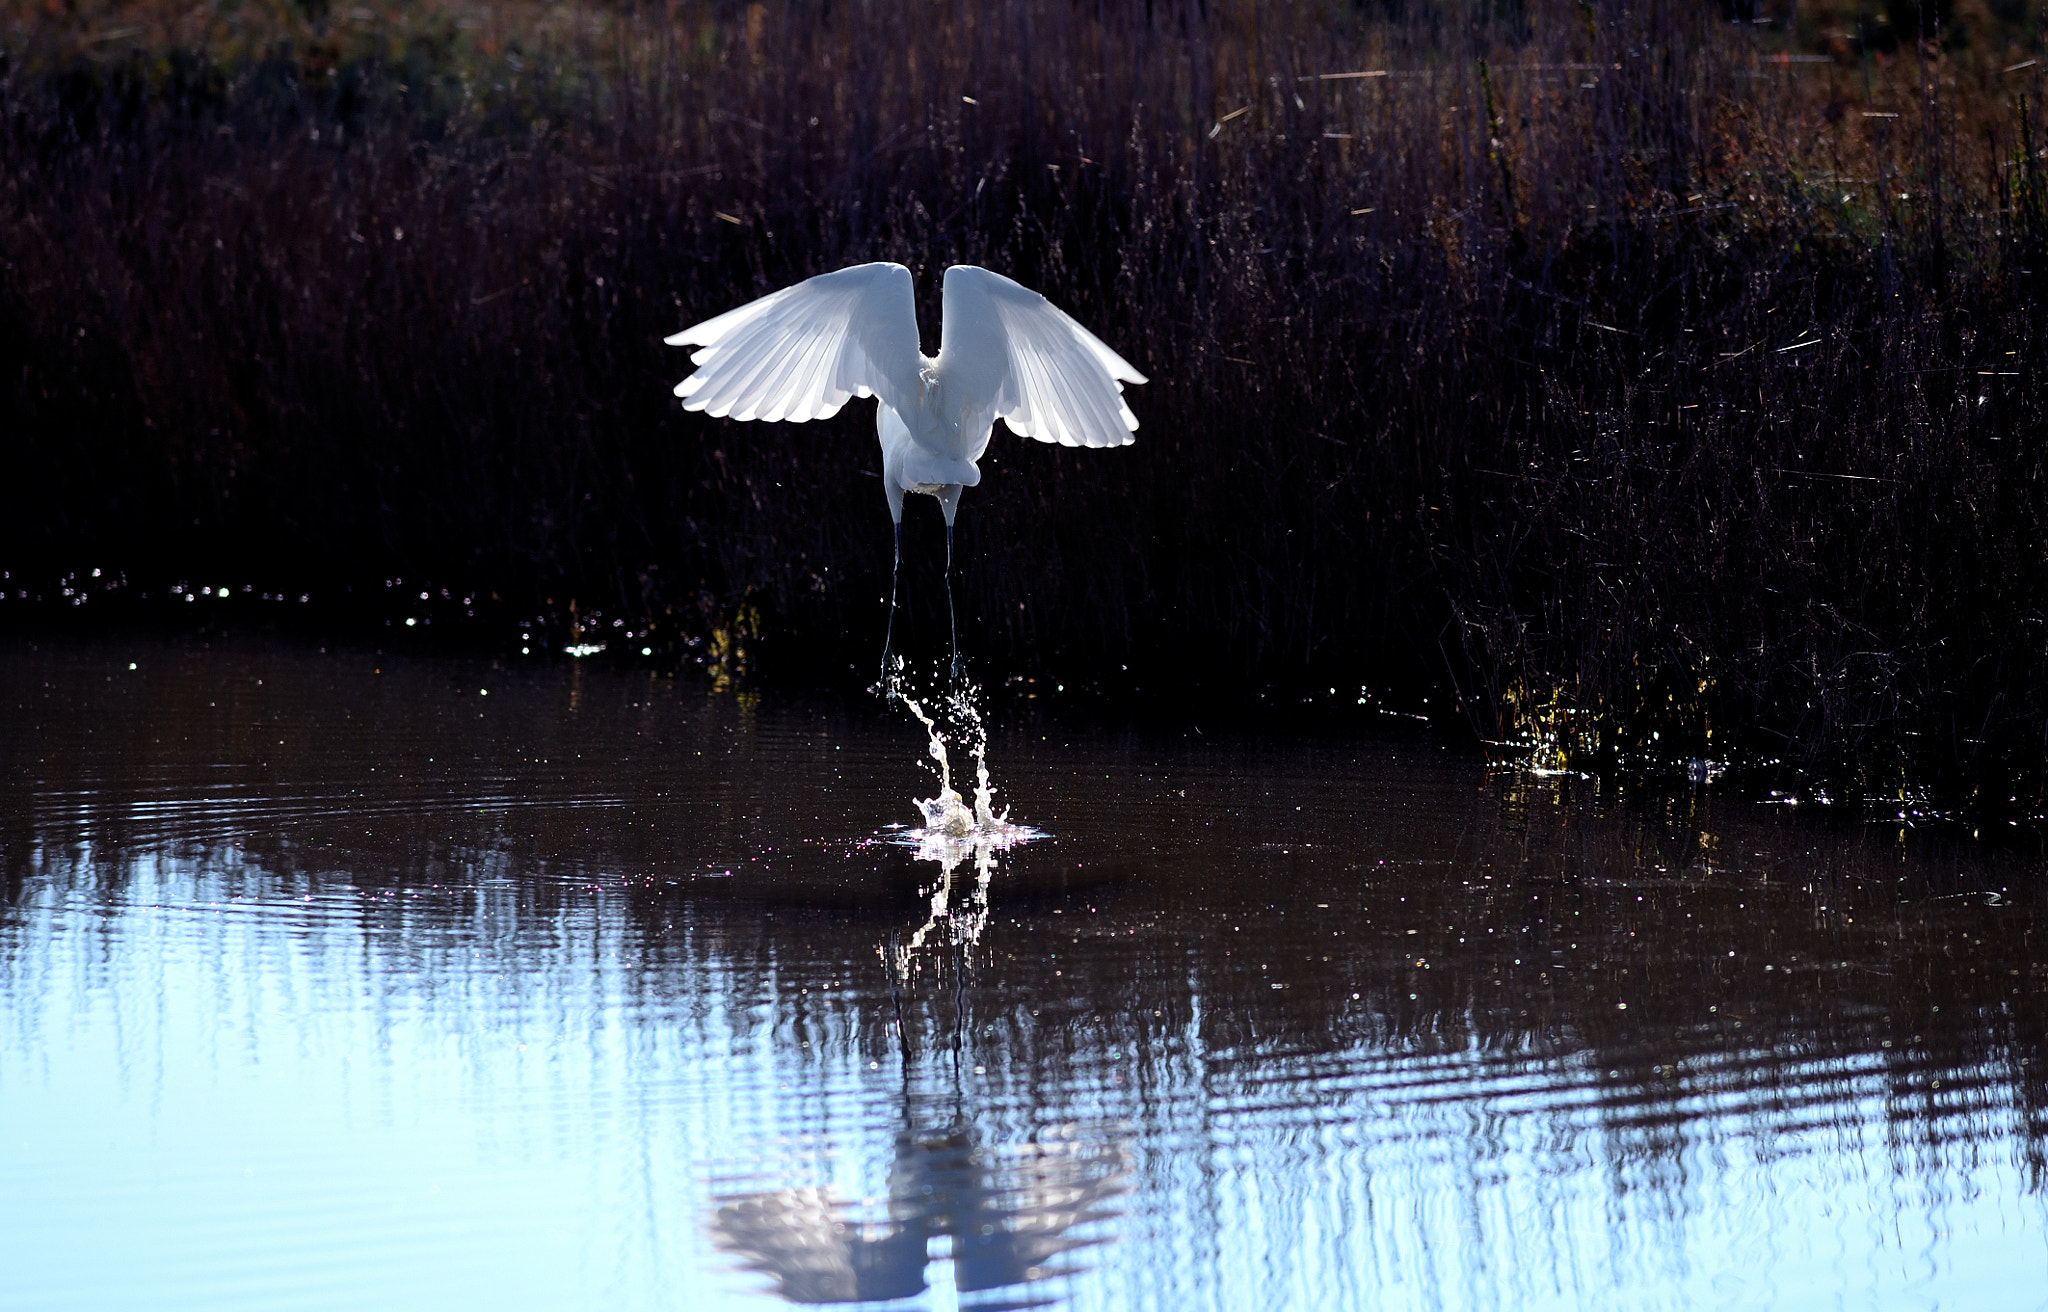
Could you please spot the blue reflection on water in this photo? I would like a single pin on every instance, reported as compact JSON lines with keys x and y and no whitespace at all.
{"x":318,"y":1039}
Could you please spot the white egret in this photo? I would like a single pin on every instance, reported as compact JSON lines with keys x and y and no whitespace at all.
{"x":1005,"y":352}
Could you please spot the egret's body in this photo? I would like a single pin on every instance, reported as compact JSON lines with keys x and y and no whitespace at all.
{"x":1005,"y":352}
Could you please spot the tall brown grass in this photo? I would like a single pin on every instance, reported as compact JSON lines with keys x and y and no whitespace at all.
{"x":1640,"y":388}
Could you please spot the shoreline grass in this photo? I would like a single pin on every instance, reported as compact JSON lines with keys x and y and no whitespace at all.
{"x":1643,"y":390}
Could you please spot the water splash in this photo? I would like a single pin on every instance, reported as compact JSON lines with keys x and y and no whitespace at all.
{"x":954,"y":835}
{"x":948,"y":814}
{"x":958,"y":914}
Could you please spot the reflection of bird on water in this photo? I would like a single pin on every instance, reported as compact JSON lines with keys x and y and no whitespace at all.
{"x":1011,"y":1211}
{"x":1005,"y":352}
{"x":1008,"y":1212}
{"x":802,"y":1238}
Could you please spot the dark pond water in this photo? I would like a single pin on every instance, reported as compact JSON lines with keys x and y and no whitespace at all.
{"x":335,"y":981}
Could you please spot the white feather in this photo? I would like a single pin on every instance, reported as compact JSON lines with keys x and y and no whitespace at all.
{"x":1007,"y":353}
{"x":802,"y":352}
{"x":1010,"y":353}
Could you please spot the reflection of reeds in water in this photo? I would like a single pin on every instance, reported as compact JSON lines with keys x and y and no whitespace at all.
{"x":1010,"y":1213}
{"x":1670,"y":402}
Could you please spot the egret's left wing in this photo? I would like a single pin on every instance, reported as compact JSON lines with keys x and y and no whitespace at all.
{"x":1035,"y":368}
{"x":804,"y":351}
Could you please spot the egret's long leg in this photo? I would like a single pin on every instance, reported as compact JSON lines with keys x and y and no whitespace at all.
{"x":952,"y":620}
{"x":889,"y":633}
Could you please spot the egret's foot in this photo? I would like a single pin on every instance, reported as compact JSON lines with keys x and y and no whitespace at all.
{"x":892,"y":675}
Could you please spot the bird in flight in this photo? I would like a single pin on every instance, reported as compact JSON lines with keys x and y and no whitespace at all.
{"x":1005,"y":352}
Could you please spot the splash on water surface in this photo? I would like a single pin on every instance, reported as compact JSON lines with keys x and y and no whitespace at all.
{"x":948,"y":815}
{"x":954,"y":835}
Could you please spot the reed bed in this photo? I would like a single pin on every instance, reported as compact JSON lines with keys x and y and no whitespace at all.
{"x":1638,"y":391}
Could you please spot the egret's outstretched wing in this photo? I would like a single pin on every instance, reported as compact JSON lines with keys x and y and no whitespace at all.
{"x":1039,"y":371}
{"x":802,"y":352}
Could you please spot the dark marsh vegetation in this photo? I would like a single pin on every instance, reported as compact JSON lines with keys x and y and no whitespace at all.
{"x":1631,"y":387}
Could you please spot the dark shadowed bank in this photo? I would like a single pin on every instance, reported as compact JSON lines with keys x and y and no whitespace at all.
{"x":1637,"y":390}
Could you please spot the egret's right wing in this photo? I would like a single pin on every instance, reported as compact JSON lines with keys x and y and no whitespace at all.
{"x":1031,"y":364}
{"x":802,"y":352}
